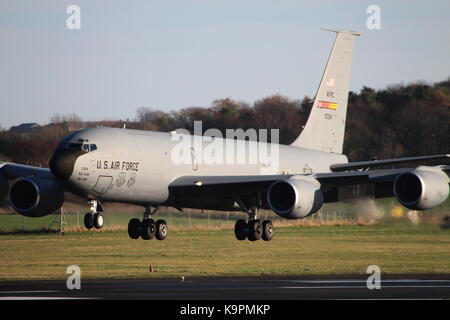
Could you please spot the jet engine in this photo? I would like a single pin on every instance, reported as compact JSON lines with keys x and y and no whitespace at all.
{"x":3,"y":187}
{"x":422,"y":188}
{"x":34,"y":197}
{"x":295,"y":198}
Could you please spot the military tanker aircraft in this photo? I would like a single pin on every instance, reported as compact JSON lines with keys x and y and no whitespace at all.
{"x":104,"y":164}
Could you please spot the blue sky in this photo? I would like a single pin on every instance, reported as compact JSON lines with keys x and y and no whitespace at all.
{"x":173,"y":54}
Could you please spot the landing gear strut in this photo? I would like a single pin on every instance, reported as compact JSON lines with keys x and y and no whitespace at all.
{"x":94,"y":219}
{"x":148,"y":229}
{"x":254,"y":229}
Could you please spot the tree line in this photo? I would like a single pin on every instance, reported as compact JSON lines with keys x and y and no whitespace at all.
{"x":400,"y":120}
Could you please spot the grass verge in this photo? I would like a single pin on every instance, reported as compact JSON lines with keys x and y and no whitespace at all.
{"x":295,"y":250}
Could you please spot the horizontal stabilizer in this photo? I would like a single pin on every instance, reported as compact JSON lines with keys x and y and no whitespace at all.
{"x":376,"y":163}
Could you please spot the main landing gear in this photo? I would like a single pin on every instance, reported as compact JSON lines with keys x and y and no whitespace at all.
{"x":148,"y":229}
{"x":254,"y":229}
{"x":94,"y":219}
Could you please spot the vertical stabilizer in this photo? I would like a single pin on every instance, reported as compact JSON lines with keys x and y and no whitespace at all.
{"x":325,"y":127}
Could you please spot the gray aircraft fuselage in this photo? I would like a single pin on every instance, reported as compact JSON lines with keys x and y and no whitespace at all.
{"x":136,"y":166}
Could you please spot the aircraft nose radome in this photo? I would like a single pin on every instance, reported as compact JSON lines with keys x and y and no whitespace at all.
{"x":62,"y":162}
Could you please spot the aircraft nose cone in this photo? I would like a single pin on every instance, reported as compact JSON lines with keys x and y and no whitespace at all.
{"x":62,"y":162}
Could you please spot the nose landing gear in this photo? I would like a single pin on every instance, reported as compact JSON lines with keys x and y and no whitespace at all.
{"x":148,"y":229}
{"x":94,"y":219}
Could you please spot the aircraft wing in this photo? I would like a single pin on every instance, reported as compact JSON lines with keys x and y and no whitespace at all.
{"x":13,"y":170}
{"x":378,"y":163}
{"x":246,"y":185}
{"x":224,"y":185}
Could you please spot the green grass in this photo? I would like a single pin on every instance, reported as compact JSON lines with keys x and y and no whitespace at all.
{"x":340,"y":250}
{"x":14,"y":222}
{"x":117,"y":215}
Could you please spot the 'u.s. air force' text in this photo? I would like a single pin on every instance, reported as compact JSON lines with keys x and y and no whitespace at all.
{"x":118,"y":165}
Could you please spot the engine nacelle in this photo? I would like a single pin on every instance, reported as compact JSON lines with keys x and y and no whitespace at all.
{"x":422,"y":188}
{"x":295,"y":198}
{"x":34,"y":197}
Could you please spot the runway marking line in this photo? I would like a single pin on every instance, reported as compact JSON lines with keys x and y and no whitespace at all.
{"x":363,"y":281}
{"x":45,"y":298}
{"x":29,"y":291}
{"x":359,"y":287}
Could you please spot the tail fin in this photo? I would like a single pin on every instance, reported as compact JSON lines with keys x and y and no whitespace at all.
{"x":325,"y":127}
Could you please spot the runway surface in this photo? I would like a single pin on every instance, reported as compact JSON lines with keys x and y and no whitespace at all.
{"x":229,"y":289}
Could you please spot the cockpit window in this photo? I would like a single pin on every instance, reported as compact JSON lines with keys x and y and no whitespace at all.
{"x":82,"y":146}
{"x":74,"y":146}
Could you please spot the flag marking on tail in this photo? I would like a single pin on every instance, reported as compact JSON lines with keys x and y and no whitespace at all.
{"x":327,"y":105}
{"x":331,"y":83}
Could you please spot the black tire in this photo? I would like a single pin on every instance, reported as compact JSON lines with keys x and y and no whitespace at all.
{"x":134,"y":228}
{"x":267,"y":230}
{"x":148,"y":229}
{"x":98,"y":221}
{"x":240,"y":230}
{"x":88,"y":221}
{"x":161,"y":230}
{"x":254,"y":230}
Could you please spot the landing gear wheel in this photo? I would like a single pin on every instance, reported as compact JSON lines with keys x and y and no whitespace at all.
{"x":254,"y":230}
{"x":98,"y":221}
{"x":267,"y":230}
{"x":148,"y":229}
{"x":240,"y":229}
{"x":134,"y":228}
{"x":88,"y":221}
{"x":161,"y":230}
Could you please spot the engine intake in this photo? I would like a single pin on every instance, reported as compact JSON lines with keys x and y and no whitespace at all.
{"x":295,"y":198}
{"x":33,"y":197}
{"x":422,"y":188}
